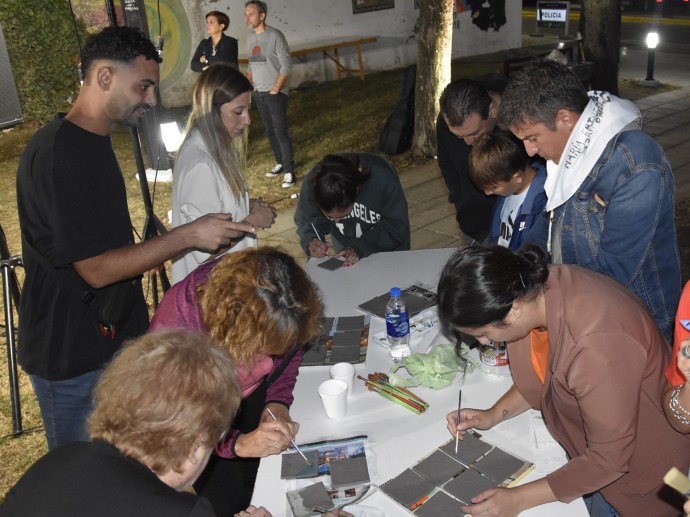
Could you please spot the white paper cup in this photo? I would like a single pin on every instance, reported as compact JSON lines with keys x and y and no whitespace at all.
{"x":344,"y":372}
{"x":333,"y":394}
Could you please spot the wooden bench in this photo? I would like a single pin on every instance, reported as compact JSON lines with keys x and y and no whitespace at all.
{"x":330,"y":49}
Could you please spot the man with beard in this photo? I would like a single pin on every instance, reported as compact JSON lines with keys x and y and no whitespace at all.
{"x":82,"y":295}
{"x":468,"y":111}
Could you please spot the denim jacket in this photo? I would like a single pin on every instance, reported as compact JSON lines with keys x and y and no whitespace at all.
{"x":621,"y":223}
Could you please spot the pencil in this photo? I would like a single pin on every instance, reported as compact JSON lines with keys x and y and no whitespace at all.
{"x":457,"y":433}
{"x":291,"y":440}
{"x":319,"y":237}
{"x":316,"y":232}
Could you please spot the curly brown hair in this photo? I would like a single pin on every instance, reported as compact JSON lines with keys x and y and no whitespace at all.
{"x":259,"y":301}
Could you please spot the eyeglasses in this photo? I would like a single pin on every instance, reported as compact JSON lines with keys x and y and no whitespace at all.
{"x":341,"y":214}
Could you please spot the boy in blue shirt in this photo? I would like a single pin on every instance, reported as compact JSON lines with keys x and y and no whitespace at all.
{"x":500,"y":166}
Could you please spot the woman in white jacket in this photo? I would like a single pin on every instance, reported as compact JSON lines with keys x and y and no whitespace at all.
{"x":208,"y":176}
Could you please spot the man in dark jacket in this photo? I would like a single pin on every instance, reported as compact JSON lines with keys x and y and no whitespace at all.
{"x":468,"y":111}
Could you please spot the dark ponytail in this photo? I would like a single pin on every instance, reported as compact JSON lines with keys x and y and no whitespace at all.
{"x":479,"y":284}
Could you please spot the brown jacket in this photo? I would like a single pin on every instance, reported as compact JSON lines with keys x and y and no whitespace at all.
{"x":602,"y":395}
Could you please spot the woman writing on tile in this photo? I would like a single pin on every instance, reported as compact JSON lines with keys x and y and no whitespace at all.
{"x":585,"y":352}
{"x":261,"y":307}
{"x":217,"y":48}
{"x":208,"y":176}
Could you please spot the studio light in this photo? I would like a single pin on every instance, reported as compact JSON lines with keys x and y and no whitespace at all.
{"x":171,"y":135}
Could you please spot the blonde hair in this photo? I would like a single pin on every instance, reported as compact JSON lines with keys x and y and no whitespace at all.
{"x":217,"y":85}
{"x":164,"y":394}
{"x":259,"y":301}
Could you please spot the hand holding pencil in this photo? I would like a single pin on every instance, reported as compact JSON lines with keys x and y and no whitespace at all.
{"x":318,"y":247}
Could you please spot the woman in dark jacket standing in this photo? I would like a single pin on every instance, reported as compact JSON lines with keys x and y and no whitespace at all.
{"x":217,"y":48}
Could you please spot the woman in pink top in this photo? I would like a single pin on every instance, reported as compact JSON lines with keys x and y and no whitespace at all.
{"x":261,"y":307}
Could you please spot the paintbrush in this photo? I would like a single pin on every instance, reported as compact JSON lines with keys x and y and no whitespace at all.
{"x":382,"y":378}
{"x":291,"y":440}
{"x":457,"y":433}
{"x":400,"y":402}
{"x":393,"y":393}
{"x":678,"y":481}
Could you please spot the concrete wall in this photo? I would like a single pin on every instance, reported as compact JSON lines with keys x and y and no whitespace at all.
{"x":309,"y":21}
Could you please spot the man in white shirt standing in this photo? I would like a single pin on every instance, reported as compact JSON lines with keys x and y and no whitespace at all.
{"x":269,"y":65}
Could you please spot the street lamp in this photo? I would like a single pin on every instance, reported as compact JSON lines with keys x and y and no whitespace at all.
{"x":652,"y":41}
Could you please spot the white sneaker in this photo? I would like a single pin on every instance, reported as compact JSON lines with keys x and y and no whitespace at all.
{"x":275,"y":171}
{"x":288,"y":180}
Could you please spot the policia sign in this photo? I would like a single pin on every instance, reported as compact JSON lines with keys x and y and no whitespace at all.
{"x":553,"y":15}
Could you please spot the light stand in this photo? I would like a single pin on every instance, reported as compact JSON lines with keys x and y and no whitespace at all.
{"x":652,"y":41}
{"x":152,"y":225}
{"x":11,"y":293}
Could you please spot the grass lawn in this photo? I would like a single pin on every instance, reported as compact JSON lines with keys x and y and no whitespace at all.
{"x":344,"y":115}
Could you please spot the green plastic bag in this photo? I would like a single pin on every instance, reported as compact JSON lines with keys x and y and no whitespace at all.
{"x":436,"y":370}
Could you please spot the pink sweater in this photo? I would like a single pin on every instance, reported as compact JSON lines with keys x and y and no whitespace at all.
{"x":179,"y":309}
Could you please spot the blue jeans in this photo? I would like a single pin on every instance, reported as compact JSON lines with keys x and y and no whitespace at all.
{"x":273,"y":112}
{"x":597,"y":506}
{"x":65,"y":406}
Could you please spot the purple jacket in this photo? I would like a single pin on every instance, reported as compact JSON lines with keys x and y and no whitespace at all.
{"x":179,"y":309}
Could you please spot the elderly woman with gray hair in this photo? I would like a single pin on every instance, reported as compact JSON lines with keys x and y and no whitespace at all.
{"x":160,"y":407}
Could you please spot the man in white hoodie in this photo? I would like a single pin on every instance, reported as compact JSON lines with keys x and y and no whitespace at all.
{"x":609,"y":185}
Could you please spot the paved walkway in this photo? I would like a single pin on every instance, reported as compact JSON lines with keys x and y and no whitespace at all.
{"x":432,"y":218}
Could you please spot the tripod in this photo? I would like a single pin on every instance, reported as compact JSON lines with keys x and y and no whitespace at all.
{"x":11,"y":293}
{"x":152,"y":226}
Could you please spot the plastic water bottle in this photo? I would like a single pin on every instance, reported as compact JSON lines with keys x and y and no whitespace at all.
{"x":397,"y":327}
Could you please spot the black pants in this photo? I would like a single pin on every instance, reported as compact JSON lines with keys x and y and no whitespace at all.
{"x":273,"y":112}
{"x":229,"y":483}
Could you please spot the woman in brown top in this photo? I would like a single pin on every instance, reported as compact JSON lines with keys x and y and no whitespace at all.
{"x":585,"y":352}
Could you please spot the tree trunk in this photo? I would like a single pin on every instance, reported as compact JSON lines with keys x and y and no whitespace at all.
{"x":433,"y":70}
{"x":601,"y":31}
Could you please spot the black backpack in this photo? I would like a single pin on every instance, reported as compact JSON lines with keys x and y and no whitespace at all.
{"x":396,"y":135}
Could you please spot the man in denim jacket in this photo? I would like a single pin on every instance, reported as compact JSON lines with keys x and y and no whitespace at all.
{"x":610,"y":187}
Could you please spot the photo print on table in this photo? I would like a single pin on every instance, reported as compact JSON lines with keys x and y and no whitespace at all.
{"x":342,"y":472}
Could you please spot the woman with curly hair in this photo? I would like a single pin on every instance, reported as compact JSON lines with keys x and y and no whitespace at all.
{"x":208,"y":177}
{"x":261,"y":307}
{"x":587,"y":353}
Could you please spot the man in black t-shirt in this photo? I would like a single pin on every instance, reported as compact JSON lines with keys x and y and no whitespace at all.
{"x":468,"y":111}
{"x":77,"y":242}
